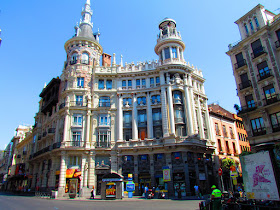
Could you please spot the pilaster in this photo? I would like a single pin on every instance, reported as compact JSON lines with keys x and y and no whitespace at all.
{"x":149,"y":117}
{"x":134,"y":118}
{"x":62,"y":176}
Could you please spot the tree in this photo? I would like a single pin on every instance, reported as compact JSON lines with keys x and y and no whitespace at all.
{"x":227,"y":163}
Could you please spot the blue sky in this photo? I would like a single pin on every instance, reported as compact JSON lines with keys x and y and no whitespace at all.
{"x":34,"y":33}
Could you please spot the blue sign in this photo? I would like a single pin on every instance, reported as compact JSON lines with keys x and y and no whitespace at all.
{"x":130,"y":186}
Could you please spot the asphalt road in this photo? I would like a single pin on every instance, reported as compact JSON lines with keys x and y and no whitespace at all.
{"x":12,"y":202}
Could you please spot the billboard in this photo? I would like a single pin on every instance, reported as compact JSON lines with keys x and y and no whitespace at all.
{"x":258,"y":176}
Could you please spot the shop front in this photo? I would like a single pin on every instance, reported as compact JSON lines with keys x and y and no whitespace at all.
{"x":179,"y":185}
{"x":73,"y":179}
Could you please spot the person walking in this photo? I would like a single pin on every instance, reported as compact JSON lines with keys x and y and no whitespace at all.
{"x":196,"y":190}
{"x":216,"y":197}
{"x":146,"y":192}
{"x":92,"y":193}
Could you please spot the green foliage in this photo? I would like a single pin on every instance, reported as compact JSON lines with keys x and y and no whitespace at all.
{"x":227,"y":163}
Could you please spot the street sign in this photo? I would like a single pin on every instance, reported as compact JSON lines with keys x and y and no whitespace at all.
{"x":220,"y":172}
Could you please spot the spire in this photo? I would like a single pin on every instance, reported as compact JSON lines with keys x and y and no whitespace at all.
{"x":85,"y":26}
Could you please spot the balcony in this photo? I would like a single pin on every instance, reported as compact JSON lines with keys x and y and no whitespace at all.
{"x":83,"y":61}
{"x":271,"y":99}
{"x":259,"y":132}
{"x":240,"y":64}
{"x":73,"y":62}
{"x":74,"y":143}
{"x":277,"y":44}
{"x":179,"y":120}
{"x":264,"y":75}
{"x":248,"y":108}
{"x":56,"y":145}
{"x":276,"y":127}
{"x":103,"y":144}
{"x":78,"y":103}
{"x":61,"y":106}
{"x":257,"y":52}
{"x":51,"y":130}
{"x":104,"y":104}
{"x":245,"y":84}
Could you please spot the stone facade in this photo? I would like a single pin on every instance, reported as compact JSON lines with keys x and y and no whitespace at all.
{"x":98,"y":118}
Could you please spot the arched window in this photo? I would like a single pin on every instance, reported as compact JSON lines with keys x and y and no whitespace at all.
{"x":257,"y":22}
{"x":85,"y":58}
{"x":246,"y":28}
{"x":251,"y":25}
{"x":74,"y":58}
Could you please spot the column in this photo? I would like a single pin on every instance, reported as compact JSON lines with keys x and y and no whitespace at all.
{"x":200,"y":120}
{"x":196,"y":169}
{"x":149,"y":114}
{"x":62,"y":176}
{"x":44,"y":174}
{"x":114,"y":162}
{"x":170,"y":104}
{"x":65,"y":131}
{"x":91,"y":177}
{"x":188,"y":107}
{"x":152,"y":170}
{"x":86,"y":172}
{"x":208,"y":127}
{"x":120,"y":118}
{"x":83,"y":173}
{"x":171,"y":183}
{"x":34,"y":177}
{"x":162,"y":53}
{"x":87,"y":143}
{"x":136,"y":173}
{"x":171,"y":56}
{"x":163,"y":106}
{"x":52,"y":177}
{"x":134,"y":118}
{"x":178,"y":53}
{"x":195,"y":130}
{"x":187,"y":174}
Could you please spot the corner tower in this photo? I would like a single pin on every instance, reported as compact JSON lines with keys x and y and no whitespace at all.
{"x":170,"y":46}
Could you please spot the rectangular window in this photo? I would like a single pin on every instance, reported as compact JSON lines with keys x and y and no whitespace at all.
{"x":74,"y":161}
{"x":104,"y":138}
{"x":143,"y":83}
{"x":127,"y":134}
{"x":220,"y":145}
{"x":270,"y":94}
{"x":101,"y":84}
{"x":104,"y":101}
{"x":138,"y":82}
{"x":251,"y":26}
{"x":79,"y":100}
{"x":155,"y":99}
{"x":231,"y":133}
{"x":80,"y":82}
{"x":108,"y":84}
{"x":129,"y":83}
{"x":234,"y":148}
{"x":142,"y":118}
{"x":152,"y":82}
{"x":77,"y":119}
{"x":127,"y":119}
{"x":275,"y":121}
{"x":264,"y":71}
{"x":127,"y":101}
{"x":174,"y":52}
{"x":141,"y":100}
{"x":257,"y":48}
{"x":250,"y":101}
{"x":166,"y":53}
{"x":104,"y":120}
{"x":225,"y":131}
{"x":76,"y":138}
{"x":124,"y":84}
{"x":240,"y":61}
{"x":258,"y":127}
{"x":278,"y":34}
{"x":227,"y":147}
{"x":157,"y":81}
{"x":217,"y":129}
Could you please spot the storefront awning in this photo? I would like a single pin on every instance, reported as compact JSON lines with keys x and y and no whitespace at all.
{"x":70,"y":173}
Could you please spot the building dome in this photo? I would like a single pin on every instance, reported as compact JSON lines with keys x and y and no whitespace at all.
{"x":167,"y":21}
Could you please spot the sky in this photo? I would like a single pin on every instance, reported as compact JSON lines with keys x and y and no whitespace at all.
{"x":34,"y":33}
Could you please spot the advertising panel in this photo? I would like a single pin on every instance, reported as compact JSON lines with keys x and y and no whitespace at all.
{"x":258,"y":176}
{"x":166,"y":174}
{"x":110,"y":190}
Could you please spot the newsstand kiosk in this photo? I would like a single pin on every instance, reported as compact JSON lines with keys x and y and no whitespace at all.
{"x":111,"y":186}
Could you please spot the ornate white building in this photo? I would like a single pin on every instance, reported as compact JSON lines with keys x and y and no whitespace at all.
{"x":98,"y":118}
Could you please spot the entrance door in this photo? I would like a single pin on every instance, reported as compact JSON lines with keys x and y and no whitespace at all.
{"x":180,"y":188}
{"x":143,"y":183}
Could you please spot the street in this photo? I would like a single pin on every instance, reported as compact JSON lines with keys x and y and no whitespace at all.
{"x":12,"y":202}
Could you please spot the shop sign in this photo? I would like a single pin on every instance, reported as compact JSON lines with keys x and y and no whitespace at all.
{"x":233,"y":174}
{"x":130,"y":186}
{"x":129,"y":177}
{"x":143,"y":157}
{"x":166,"y":174}
{"x":112,"y":180}
{"x":177,"y":155}
{"x":70,"y":173}
{"x":110,"y":190}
